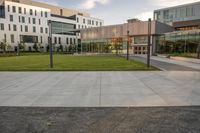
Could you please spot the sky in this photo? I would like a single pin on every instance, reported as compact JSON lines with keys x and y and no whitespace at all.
{"x":118,"y":11}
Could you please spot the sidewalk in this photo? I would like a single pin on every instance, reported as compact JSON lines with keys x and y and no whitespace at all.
{"x":99,"y":89}
{"x":178,"y":62}
{"x":165,"y":63}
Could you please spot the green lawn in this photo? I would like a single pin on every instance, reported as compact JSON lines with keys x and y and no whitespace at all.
{"x":69,"y":63}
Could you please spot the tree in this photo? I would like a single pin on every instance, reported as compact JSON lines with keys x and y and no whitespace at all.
{"x":40,"y":47}
{"x":108,"y":48}
{"x":60,"y":48}
{"x":3,"y":45}
{"x":47,"y":48}
{"x":71,"y":49}
{"x":9,"y":47}
{"x":35,"y":47}
{"x":21,"y":46}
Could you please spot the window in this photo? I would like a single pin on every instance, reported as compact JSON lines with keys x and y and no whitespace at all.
{"x":59,"y":40}
{"x":61,"y":12}
{"x":71,"y":41}
{"x":41,"y":39}
{"x":100,"y":23}
{"x":84,"y":21}
{"x":21,"y":27}
{"x":46,"y":14}
{"x":28,"y":39}
{"x":23,"y":19}
{"x":26,"y":28}
{"x":74,"y":41}
{"x":67,"y":40}
{"x":46,"y":30}
{"x":35,"y":13}
{"x":79,"y":26}
{"x":157,"y":15}
{"x":89,"y":22}
{"x":5,"y":37}
{"x":141,"y":40}
{"x":92,"y":22}
{"x":31,"y":12}
{"x":97,"y":23}
{"x":190,"y":11}
{"x":29,"y":20}
{"x":77,"y":20}
{"x":34,"y":29}
{"x":14,"y":27}
{"x":63,"y":28}
{"x":55,"y":40}
{"x":34,"y":21}
{"x":2,"y":11}
{"x":14,"y":9}
{"x":9,"y":27}
{"x":183,"y":12}
{"x":39,"y":21}
{"x":24,"y":10}
{"x":20,"y":10}
{"x":11,"y":18}
{"x":2,"y":26}
{"x":12,"y":38}
{"x":41,"y":30}
{"x":8,"y":8}
{"x":19,"y":19}
{"x":41,"y":13}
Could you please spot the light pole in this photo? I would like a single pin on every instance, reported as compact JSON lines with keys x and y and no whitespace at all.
{"x":198,"y":51}
{"x":128,"y":45}
{"x":50,"y":44}
{"x":149,"y":43}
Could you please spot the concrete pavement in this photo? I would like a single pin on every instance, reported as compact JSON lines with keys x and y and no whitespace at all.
{"x":100,"y":89}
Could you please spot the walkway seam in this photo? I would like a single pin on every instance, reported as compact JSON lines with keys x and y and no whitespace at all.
{"x":154,"y":91}
{"x":100,"y":81}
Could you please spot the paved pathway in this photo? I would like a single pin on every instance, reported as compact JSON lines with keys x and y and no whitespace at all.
{"x":99,"y":89}
{"x":169,"y":64}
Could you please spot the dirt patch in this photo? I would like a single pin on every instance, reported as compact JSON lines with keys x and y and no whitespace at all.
{"x":100,"y":120}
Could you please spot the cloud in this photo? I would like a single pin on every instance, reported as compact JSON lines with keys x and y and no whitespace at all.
{"x":145,"y":16}
{"x":89,"y":4}
{"x":169,"y":3}
{"x":51,"y":2}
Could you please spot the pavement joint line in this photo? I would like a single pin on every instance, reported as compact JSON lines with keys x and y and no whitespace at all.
{"x":154,"y":92}
{"x":100,"y":88}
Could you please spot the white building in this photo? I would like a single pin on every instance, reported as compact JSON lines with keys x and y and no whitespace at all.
{"x":26,"y":21}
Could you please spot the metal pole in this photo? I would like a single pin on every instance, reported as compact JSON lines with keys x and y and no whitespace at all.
{"x":128,"y":45}
{"x":185,"y":45}
{"x":198,"y":52}
{"x":149,"y":43}
{"x":50,"y":44}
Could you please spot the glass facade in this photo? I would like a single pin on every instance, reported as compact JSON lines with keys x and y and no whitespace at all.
{"x":112,"y":45}
{"x":63,"y":28}
{"x":181,"y":13}
{"x":141,"y":40}
{"x":178,"y":42}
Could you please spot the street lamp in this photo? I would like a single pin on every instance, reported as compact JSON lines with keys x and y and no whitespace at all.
{"x":128,"y":45}
{"x":50,"y":44}
{"x":149,"y":43}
